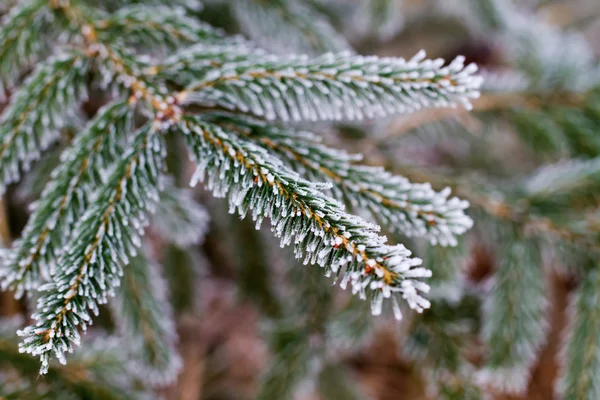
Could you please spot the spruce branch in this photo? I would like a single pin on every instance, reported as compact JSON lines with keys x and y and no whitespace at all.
{"x":104,"y":240}
{"x":38,"y":111}
{"x":580,"y":354}
{"x":335,"y":87}
{"x":321,"y":231}
{"x":65,"y":199}
{"x":514,"y":325}
{"x":145,"y":320}
{"x":108,"y":232}
{"x":106,"y":235}
{"x":395,"y":202}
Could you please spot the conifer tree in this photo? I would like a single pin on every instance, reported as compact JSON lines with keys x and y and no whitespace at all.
{"x":118,"y":111}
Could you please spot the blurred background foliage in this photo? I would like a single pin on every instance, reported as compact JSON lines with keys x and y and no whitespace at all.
{"x":515,"y":311}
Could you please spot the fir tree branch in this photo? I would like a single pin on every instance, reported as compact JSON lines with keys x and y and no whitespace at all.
{"x":580,"y":354}
{"x":300,"y":213}
{"x":104,"y":239}
{"x":414,"y":209}
{"x":65,"y":199}
{"x":334,"y":87}
{"x":126,"y":71}
{"x":38,"y":110}
{"x":145,"y":319}
{"x":514,"y":326}
{"x":116,"y":62}
{"x":106,"y":235}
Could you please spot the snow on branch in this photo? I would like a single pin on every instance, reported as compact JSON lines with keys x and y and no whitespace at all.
{"x":104,"y":240}
{"x":322,"y":233}
{"x":336,"y":86}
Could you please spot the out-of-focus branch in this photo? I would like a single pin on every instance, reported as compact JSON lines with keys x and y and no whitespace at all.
{"x":8,"y":305}
{"x":514,"y":212}
{"x":487,"y":102}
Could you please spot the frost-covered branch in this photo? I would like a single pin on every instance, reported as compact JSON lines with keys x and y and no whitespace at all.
{"x":105,"y":238}
{"x":65,"y":199}
{"x":320,"y":230}
{"x":38,"y":110}
{"x":395,"y":202}
{"x":88,"y":223}
{"x":335,"y":87}
{"x":21,"y":39}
